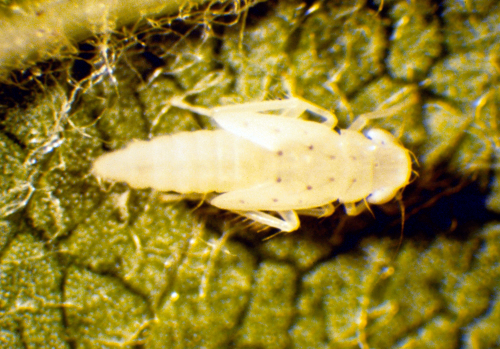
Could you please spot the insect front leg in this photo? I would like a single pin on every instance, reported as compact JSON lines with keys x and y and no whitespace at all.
{"x":289,"y":222}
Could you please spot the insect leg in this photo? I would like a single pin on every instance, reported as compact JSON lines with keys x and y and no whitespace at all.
{"x":300,"y":105}
{"x":353,"y":209}
{"x":257,"y":107}
{"x":289,"y":222}
{"x":175,"y":197}
{"x":179,"y":103}
{"x":322,"y":211}
{"x":292,"y":107}
{"x":363,"y":119}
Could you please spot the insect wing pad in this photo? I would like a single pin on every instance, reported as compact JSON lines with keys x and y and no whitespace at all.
{"x":271,"y":131}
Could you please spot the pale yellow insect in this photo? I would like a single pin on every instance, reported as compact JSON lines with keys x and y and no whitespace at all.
{"x":259,"y":162}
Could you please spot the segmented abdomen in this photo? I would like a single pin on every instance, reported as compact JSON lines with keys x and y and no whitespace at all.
{"x":202,"y":162}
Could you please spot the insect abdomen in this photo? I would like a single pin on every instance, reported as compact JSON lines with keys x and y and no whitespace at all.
{"x":202,"y":162}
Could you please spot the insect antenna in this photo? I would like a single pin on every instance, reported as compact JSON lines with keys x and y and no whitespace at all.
{"x":414,"y":158}
{"x":401,"y":204}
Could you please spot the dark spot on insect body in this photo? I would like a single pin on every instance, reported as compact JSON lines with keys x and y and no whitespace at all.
{"x":275,"y":200}
{"x":354,"y":180}
{"x":280,"y":152}
{"x":277,"y":130}
{"x":331,"y":179}
{"x":332,"y":157}
{"x":311,"y":147}
{"x":309,"y":187}
{"x":278,"y":180}
{"x":242,"y":201}
{"x":353,"y":157}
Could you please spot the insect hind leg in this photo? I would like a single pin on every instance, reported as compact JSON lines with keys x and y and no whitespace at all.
{"x":292,"y":107}
{"x":297,"y":106}
{"x":289,"y":220}
{"x":179,"y":103}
